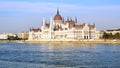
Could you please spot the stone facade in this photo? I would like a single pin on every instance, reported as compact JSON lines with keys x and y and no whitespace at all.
{"x":59,"y":30}
{"x":3,"y":36}
{"x":23,"y":35}
{"x":6,"y":35}
{"x":113,"y":31}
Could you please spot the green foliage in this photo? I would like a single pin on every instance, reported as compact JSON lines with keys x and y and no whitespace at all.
{"x":13,"y":38}
{"x":105,"y":35}
{"x":117,"y":35}
{"x":111,"y":36}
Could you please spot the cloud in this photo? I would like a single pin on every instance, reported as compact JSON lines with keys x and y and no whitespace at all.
{"x":50,"y":7}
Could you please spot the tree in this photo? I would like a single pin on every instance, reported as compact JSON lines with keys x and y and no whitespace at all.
{"x":117,"y":36}
{"x":111,"y":36}
{"x":13,"y":38}
{"x":105,"y":35}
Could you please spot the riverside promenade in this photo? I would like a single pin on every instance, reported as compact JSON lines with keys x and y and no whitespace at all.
{"x":17,"y":41}
{"x":101,"y":41}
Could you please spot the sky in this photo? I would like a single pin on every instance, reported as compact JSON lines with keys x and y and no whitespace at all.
{"x":21,"y":15}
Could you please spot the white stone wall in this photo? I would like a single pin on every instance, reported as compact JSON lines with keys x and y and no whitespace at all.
{"x":48,"y":33}
{"x":34,"y":35}
{"x":113,"y":32}
{"x":3,"y":36}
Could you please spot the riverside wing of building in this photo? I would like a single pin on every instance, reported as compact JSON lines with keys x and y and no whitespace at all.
{"x":113,"y":31}
{"x":59,"y":30}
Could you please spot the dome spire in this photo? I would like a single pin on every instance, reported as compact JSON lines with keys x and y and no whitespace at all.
{"x":57,"y":11}
{"x":57,"y":16}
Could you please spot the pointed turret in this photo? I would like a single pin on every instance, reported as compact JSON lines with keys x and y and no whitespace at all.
{"x":94,"y":24}
{"x":51,"y":22}
{"x":76,"y":19}
{"x":67,"y":18}
{"x":43,"y":22}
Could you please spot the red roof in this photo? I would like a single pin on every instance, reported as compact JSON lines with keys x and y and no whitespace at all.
{"x":79,"y":26}
{"x":57,"y":16}
{"x":48,"y":25}
{"x":36,"y":30}
{"x":91,"y":26}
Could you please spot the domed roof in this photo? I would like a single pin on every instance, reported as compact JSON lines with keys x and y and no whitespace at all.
{"x":57,"y":16}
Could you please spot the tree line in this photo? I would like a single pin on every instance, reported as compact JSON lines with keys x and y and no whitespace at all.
{"x":14,"y":38}
{"x":111,"y":36}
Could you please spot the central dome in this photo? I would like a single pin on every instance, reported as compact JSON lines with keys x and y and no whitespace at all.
{"x":57,"y":16}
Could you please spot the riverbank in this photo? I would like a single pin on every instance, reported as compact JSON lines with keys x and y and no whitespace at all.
{"x":65,"y":42}
{"x":77,"y":42}
{"x":4,"y":41}
{"x":16,"y":41}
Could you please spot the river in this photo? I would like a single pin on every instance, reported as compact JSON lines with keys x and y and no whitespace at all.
{"x":22,"y":55}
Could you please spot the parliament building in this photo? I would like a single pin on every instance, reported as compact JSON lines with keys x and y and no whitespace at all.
{"x":60,"y":30}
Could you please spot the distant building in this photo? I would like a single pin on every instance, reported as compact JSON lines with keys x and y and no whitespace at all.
{"x":113,"y":31}
{"x":3,"y":36}
{"x":6,"y":35}
{"x":101,"y":34}
{"x":59,"y":30}
{"x":23,"y":35}
{"x":10,"y":34}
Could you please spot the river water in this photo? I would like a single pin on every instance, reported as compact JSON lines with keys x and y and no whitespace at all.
{"x":17,"y":55}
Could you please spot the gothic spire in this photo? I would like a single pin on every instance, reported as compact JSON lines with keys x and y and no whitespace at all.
{"x":76,"y":19}
{"x":43,"y":21}
{"x":57,"y":11}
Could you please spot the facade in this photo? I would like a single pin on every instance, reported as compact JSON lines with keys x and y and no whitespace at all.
{"x":114,"y":31}
{"x":10,"y":34}
{"x":59,"y":30}
{"x":6,"y":35}
{"x":23,"y":35}
{"x":3,"y":36}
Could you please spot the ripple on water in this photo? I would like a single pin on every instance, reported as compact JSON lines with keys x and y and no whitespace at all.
{"x":16,"y":55}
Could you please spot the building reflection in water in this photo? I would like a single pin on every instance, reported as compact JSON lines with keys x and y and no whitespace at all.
{"x":64,"y":55}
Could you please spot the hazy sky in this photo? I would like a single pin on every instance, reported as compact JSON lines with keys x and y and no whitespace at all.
{"x":21,"y":15}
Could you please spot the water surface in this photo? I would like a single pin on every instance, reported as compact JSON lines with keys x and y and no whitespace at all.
{"x":16,"y":55}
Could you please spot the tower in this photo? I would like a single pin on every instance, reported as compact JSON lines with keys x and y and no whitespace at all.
{"x":51,"y":23}
{"x":43,"y":22}
{"x":57,"y":16}
{"x":75,"y":19}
